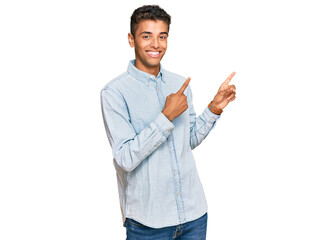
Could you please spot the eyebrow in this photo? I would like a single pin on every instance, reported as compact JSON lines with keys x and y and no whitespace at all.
{"x":151,"y":33}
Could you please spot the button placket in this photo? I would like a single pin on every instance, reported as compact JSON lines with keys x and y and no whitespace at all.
{"x":177,"y":184}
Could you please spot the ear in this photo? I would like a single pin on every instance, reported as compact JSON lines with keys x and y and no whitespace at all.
{"x":130,"y":39}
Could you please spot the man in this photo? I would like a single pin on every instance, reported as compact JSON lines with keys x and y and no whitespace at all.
{"x":152,"y":128}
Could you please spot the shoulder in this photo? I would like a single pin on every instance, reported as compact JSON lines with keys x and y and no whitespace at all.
{"x":113,"y":89}
{"x":116,"y":83}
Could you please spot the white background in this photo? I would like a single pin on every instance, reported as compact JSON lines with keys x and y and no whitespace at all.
{"x":267,"y":168}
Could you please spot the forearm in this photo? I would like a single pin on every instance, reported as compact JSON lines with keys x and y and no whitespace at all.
{"x":129,"y":153}
{"x":202,"y":125}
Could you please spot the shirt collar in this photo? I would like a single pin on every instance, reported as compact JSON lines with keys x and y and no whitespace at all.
{"x":141,"y":75}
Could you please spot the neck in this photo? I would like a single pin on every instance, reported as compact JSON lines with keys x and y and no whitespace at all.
{"x":151,"y":70}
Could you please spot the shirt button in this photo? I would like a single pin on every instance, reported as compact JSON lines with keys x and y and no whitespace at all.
{"x":213,"y":119}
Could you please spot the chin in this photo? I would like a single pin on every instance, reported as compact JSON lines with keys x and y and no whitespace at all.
{"x":154,"y":63}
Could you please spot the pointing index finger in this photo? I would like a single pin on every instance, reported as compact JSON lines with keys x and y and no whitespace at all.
{"x":184,"y":86}
{"x":227,"y":81}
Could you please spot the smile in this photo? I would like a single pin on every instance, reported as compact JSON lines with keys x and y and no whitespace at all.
{"x":153,"y":54}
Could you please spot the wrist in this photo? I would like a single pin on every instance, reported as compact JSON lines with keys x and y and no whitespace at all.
{"x":167,"y":116}
{"x":214,"y":109}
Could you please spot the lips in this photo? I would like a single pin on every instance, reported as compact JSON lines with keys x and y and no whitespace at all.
{"x":153,"y":54}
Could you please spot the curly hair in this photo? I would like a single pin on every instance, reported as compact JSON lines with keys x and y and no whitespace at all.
{"x":148,"y":12}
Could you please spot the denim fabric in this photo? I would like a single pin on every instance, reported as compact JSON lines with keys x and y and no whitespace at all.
{"x":194,"y":230}
{"x":158,"y":182}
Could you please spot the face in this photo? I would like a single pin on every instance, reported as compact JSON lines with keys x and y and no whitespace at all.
{"x":150,"y":44}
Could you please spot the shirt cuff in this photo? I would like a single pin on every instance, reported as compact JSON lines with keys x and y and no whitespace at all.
{"x":210,"y":115}
{"x":163,"y":123}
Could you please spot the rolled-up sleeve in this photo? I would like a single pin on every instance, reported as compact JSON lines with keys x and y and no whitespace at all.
{"x":130,"y":149}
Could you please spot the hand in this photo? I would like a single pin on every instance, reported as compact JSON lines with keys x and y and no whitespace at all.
{"x":226,"y":93}
{"x":176,"y":103}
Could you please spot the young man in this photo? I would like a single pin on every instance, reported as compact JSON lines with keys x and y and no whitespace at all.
{"x":152,"y":128}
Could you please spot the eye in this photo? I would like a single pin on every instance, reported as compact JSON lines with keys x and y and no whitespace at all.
{"x":163,"y":37}
{"x":146,"y":37}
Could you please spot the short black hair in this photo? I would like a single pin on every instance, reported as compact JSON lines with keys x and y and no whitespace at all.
{"x":148,"y":12}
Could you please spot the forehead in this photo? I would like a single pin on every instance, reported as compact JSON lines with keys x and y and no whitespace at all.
{"x":152,"y":26}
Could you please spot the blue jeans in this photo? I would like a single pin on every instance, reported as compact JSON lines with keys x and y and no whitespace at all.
{"x":193,"y":230}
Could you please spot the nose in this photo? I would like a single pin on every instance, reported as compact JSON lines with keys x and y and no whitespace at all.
{"x":155,"y":43}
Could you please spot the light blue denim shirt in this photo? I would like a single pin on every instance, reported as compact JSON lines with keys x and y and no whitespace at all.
{"x":157,"y":178}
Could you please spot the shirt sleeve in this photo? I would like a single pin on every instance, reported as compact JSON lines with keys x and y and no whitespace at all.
{"x":200,"y":126}
{"x":128,"y":148}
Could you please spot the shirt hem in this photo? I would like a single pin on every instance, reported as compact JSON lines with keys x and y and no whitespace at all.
{"x":170,"y":225}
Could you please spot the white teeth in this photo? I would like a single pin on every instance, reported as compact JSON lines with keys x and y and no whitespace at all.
{"x":153,"y":53}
